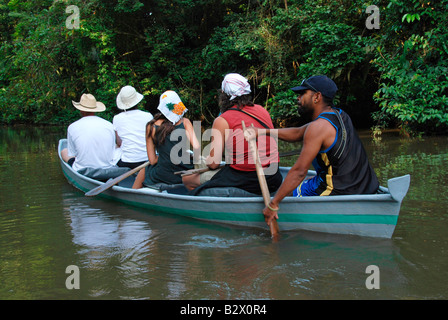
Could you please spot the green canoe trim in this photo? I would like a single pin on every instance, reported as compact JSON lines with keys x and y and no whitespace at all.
{"x":251,"y":217}
{"x":283,"y":217}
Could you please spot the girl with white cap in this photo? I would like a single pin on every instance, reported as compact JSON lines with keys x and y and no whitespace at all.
{"x":168,"y":137}
{"x":129,"y":127}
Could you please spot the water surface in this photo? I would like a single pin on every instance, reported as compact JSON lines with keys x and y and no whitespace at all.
{"x":129,"y":253}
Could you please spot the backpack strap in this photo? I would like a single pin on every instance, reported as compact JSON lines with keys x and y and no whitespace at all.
{"x":344,"y":136}
{"x":251,"y":115}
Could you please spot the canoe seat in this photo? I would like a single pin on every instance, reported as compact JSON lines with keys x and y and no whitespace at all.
{"x":103,"y":174}
{"x":226,"y":192}
{"x":169,"y":188}
{"x":209,"y":192}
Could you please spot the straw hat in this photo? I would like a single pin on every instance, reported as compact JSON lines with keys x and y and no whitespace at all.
{"x":128,"y":98}
{"x":88,"y":103}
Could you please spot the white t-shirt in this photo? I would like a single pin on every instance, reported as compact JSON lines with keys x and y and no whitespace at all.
{"x":91,"y":140}
{"x":131,"y":128}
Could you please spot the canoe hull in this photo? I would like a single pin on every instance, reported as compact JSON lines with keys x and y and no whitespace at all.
{"x":362,"y":215}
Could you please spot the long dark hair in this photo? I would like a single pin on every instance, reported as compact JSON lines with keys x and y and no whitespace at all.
{"x":225,"y":103}
{"x":164,"y":129}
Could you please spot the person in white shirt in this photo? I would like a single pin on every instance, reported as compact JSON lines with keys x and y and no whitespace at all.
{"x":91,"y":139}
{"x":130,"y":128}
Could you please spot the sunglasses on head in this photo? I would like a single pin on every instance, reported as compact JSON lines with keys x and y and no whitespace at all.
{"x":306,"y":83}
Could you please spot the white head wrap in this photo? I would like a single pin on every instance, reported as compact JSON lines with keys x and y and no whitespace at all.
{"x":171,"y":106}
{"x":235,"y":85}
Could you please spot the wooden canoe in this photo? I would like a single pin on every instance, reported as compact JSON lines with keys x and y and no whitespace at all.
{"x":363,"y":215}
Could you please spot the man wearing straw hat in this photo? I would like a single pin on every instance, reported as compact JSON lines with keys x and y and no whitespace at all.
{"x":91,"y":139}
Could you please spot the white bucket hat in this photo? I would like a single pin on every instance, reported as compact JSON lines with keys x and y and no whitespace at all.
{"x":235,"y":85}
{"x":171,"y":106}
{"x":128,"y":98}
{"x":88,"y":103}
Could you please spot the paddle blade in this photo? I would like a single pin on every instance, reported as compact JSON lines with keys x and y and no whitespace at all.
{"x":275,"y":233}
{"x":97,"y":190}
{"x":113,"y":182}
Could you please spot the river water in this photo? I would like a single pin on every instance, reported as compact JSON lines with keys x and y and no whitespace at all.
{"x":121,"y":252}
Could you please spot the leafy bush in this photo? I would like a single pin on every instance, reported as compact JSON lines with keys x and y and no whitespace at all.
{"x":397,"y":74}
{"x":414,"y":83}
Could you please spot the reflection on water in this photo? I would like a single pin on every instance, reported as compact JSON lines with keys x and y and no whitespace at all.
{"x":101,"y":239}
{"x":128,"y":253}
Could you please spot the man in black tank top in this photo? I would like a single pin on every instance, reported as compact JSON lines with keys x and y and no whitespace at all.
{"x":330,"y":143}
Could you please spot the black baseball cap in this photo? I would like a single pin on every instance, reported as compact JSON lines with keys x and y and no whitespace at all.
{"x":321,"y":84}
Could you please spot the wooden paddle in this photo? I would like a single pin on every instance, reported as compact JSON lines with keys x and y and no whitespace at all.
{"x":289,"y":153}
{"x":201,"y":170}
{"x":114,"y":181}
{"x":184,"y":173}
{"x":263,"y":185}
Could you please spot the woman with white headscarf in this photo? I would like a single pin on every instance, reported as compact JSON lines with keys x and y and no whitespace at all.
{"x":236,"y":106}
{"x":168,"y":137}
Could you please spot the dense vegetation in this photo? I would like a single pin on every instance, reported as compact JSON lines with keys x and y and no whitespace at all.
{"x":392,"y":76}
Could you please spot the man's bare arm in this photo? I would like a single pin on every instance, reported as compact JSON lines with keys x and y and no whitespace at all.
{"x":311,"y":146}
{"x":286,"y":134}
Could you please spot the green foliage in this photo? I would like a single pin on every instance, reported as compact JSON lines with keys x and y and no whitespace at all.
{"x":397,"y":74}
{"x":414,"y":82}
